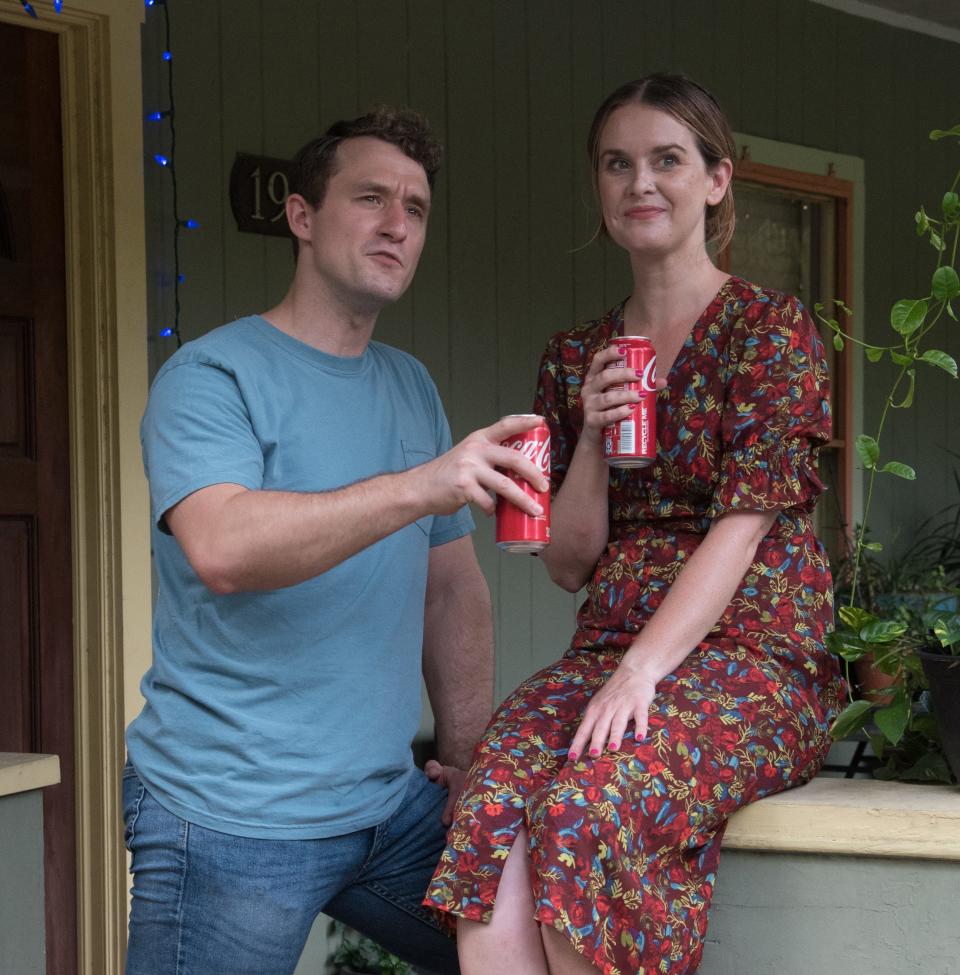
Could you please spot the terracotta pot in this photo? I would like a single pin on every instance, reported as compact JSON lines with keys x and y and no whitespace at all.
{"x":943,"y":673}
{"x":871,"y":679}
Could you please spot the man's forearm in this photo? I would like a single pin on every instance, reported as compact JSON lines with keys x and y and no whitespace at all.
{"x":240,"y":540}
{"x":458,"y":655}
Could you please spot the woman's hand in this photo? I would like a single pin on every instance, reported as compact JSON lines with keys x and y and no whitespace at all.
{"x":625,"y":697}
{"x":601,"y":404}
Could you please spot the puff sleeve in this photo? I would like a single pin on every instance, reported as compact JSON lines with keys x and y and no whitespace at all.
{"x":776,"y":413}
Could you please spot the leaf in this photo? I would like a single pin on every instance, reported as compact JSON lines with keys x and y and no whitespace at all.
{"x":923,"y":224}
{"x":838,"y":342}
{"x":907,"y":315}
{"x":950,"y":205}
{"x":873,"y":546}
{"x":943,"y":133}
{"x":855,"y":617}
{"x":882,"y":631}
{"x":901,"y":470}
{"x":892,"y":720}
{"x":867,"y":450}
{"x":848,"y":647}
{"x":936,"y":241}
{"x":907,"y":400}
{"x":947,"y":629}
{"x":853,"y":718}
{"x":873,"y":353}
{"x":900,"y":359}
{"x":937,"y":358}
{"x":951,"y":312}
{"x":946,"y":283}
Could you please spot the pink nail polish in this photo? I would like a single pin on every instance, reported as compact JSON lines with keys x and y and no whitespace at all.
{"x":594,"y":751}
{"x":572,"y":756}
{"x":613,"y":746}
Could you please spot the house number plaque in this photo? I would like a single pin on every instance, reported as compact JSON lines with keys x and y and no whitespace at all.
{"x":259,"y":186}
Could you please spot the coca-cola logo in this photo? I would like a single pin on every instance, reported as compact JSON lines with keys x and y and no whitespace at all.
{"x":648,"y":378}
{"x":537,"y":451}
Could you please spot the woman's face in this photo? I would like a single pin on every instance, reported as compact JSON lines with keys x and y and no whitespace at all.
{"x":654,"y":184}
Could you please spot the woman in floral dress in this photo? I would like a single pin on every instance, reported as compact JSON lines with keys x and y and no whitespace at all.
{"x":588,"y":834}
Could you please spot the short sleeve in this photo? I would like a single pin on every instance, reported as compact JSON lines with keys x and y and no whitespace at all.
{"x":553,"y":404}
{"x":776,"y":413}
{"x":196,"y":431}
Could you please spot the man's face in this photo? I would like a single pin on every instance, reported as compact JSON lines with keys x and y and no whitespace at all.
{"x":367,"y":234}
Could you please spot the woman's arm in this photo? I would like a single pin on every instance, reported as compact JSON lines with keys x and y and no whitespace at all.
{"x":696,"y":600}
{"x":579,"y":517}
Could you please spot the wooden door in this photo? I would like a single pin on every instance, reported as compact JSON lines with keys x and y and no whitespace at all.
{"x":36,"y":611}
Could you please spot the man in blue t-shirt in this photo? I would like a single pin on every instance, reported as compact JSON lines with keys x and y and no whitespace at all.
{"x":311,"y":541}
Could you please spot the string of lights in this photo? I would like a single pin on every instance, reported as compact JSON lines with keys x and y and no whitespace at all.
{"x":168,"y":161}
{"x":30,"y":9}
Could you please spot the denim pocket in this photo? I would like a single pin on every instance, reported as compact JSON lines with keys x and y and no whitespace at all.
{"x":132,"y":791}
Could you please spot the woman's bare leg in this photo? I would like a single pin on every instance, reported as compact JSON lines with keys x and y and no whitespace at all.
{"x":562,"y":957}
{"x":511,"y":942}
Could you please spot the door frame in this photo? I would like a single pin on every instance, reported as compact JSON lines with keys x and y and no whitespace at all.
{"x":107,"y":351}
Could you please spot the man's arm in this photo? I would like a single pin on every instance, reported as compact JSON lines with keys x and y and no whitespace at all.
{"x":458,"y":650}
{"x":239,"y":540}
{"x":457,"y":661}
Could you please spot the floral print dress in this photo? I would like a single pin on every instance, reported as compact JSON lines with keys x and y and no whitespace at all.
{"x":625,"y":847}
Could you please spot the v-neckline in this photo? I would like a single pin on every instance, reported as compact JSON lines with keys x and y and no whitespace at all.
{"x":690,"y":340}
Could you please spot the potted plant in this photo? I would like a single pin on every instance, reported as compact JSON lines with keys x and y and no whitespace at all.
{"x":358,"y":955}
{"x":915,"y":643}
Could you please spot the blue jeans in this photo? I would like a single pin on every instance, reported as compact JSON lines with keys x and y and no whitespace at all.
{"x":209,"y":903}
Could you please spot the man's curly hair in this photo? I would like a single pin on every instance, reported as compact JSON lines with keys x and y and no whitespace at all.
{"x":403,"y":128}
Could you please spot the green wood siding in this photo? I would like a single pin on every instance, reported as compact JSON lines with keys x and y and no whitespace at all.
{"x":511,"y":86}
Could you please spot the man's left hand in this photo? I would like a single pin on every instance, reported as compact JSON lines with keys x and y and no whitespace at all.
{"x":452,"y":779}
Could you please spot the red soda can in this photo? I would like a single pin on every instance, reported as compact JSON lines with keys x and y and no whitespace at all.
{"x":632,"y":442}
{"x":516,"y":530}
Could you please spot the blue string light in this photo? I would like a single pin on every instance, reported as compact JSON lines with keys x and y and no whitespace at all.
{"x":29,"y":9}
{"x":58,"y":6}
{"x":169,"y":162}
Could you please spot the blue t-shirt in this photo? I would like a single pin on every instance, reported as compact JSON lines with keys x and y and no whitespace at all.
{"x":286,"y":714}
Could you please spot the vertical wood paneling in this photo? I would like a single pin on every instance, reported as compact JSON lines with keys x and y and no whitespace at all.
{"x":197,"y":77}
{"x":514,"y":323}
{"x":241,"y":122}
{"x":655,"y":21}
{"x":847,"y":74}
{"x":551,"y":305}
{"x":587,"y":92}
{"x":757,"y":74}
{"x":289,"y":77}
{"x":694,"y":41}
{"x":427,"y":86}
{"x":787,"y":19}
{"x":338,"y":57}
{"x":471,"y":137}
{"x":819,"y":84}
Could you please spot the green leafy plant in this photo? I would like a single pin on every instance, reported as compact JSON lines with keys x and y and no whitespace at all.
{"x":894,"y":634}
{"x":356,"y":953}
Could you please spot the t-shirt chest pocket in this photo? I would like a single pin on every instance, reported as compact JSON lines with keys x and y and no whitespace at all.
{"x":415,"y":453}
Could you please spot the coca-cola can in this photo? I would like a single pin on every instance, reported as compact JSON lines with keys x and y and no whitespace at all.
{"x":516,"y":530}
{"x":632,"y":442}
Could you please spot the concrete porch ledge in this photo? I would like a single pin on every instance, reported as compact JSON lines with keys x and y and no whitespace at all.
{"x":23,"y":773}
{"x":853,"y":817}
